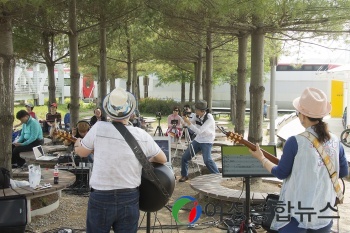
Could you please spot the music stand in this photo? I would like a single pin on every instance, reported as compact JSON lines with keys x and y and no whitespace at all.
{"x":165,"y":144}
{"x":238,"y":162}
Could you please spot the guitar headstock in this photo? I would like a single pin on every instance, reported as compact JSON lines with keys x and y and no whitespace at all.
{"x":236,"y":138}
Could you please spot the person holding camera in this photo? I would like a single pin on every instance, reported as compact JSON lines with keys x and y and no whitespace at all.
{"x":187,"y":112}
{"x":175,"y":123}
{"x":204,"y":126}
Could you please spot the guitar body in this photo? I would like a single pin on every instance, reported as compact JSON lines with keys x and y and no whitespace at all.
{"x":151,"y":197}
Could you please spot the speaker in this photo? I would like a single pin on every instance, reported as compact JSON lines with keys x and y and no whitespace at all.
{"x":271,"y":203}
{"x":13,"y":214}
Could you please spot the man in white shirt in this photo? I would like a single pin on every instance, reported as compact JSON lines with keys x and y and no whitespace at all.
{"x":203,"y":125}
{"x":116,"y":176}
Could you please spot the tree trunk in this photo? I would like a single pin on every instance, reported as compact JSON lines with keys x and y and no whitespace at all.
{"x":190,"y":94}
{"x":256,"y":88}
{"x":52,"y":82}
{"x":74,"y":68}
{"x":241,"y":84}
{"x":198,"y":79}
{"x":233,"y":90}
{"x":129,"y":60}
{"x":112,"y":84}
{"x":204,"y":85}
{"x":145,"y":85}
{"x":134,"y":79}
{"x":7,"y":68}
{"x":209,"y":70}
{"x":50,"y":67}
{"x":138,"y":89}
{"x":103,"y":60}
{"x":183,"y":92}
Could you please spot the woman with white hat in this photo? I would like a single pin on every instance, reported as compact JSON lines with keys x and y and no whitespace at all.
{"x":308,"y":194}
{"x":114,"y":197}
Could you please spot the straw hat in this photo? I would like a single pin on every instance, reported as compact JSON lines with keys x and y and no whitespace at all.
{"x":119,"y":104}
{"x":312,"y":103}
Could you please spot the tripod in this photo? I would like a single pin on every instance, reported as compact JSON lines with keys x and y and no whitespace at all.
{"x":192,"y":152}
{"x":159,"y":129}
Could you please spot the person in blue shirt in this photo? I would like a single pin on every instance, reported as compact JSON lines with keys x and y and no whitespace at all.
{"x":31,"y":136}
{"x":66,"y":119}
{"x":265,"y":109}
{"x":307,"y":186}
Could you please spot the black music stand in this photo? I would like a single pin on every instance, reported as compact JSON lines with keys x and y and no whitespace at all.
{"x":232,"y":157}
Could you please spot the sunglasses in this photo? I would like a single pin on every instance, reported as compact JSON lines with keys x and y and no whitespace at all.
{"x":176,"y":110}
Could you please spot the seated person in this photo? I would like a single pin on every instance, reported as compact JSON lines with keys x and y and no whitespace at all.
{"x":174,"y":123}
{"x":29,"y":108}
{"x":80,"y":131}
{"x":97,"y":117}
{"x":31,"y":136}
{"x":66,"y":119}
{"x":52,"y":116}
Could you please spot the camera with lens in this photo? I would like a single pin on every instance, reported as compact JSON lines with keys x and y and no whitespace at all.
{"x":186,"y":113}
{"x":158,"y":115}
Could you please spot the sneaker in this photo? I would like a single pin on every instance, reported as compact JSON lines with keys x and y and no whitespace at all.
{"x":183,"y":179}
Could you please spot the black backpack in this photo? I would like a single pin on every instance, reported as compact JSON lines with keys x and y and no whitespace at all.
{"x":4,"y":178}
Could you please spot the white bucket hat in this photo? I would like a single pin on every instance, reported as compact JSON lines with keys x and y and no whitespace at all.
{"x":312,"y":103}
{"x":119,"y":104}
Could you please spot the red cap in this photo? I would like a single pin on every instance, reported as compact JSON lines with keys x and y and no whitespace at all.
{"x":53,"y":105}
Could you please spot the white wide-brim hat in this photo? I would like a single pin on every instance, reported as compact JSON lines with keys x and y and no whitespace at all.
{"x":312,"y":103}
{"x":119,"y":104}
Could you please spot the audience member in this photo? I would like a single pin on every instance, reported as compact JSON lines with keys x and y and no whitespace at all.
{"x":52,"y":116}
{"x":187,"y":112}
{"x":29,"y":108}
{"x":31,"y":136}
{"x":175,"y":123}
{"x":98,"y":116}
{"x":265,"y":109}
{"x":66,"y":119}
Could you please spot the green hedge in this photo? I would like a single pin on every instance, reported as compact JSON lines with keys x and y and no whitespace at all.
{"x":153,"y":105}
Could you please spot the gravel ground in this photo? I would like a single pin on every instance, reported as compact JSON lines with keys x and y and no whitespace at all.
{"x":71,"y":214}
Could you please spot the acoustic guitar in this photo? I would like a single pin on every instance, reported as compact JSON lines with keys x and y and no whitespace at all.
{"x":151,"y":198}
{"x":236,"y":138}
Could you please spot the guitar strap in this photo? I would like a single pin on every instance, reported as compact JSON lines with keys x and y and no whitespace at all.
{"x":135,"y":147}
{"x":328,"y":162}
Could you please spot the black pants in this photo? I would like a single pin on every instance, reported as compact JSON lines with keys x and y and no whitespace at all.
{"x":18,"y":149}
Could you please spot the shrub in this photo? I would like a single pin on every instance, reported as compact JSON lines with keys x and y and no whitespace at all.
{"x":153,"y":105}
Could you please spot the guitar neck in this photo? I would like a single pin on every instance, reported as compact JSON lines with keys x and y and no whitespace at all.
{"x":269,"y":156}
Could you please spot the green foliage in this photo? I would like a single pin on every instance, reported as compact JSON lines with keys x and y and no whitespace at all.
{"x":153,"y":105}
